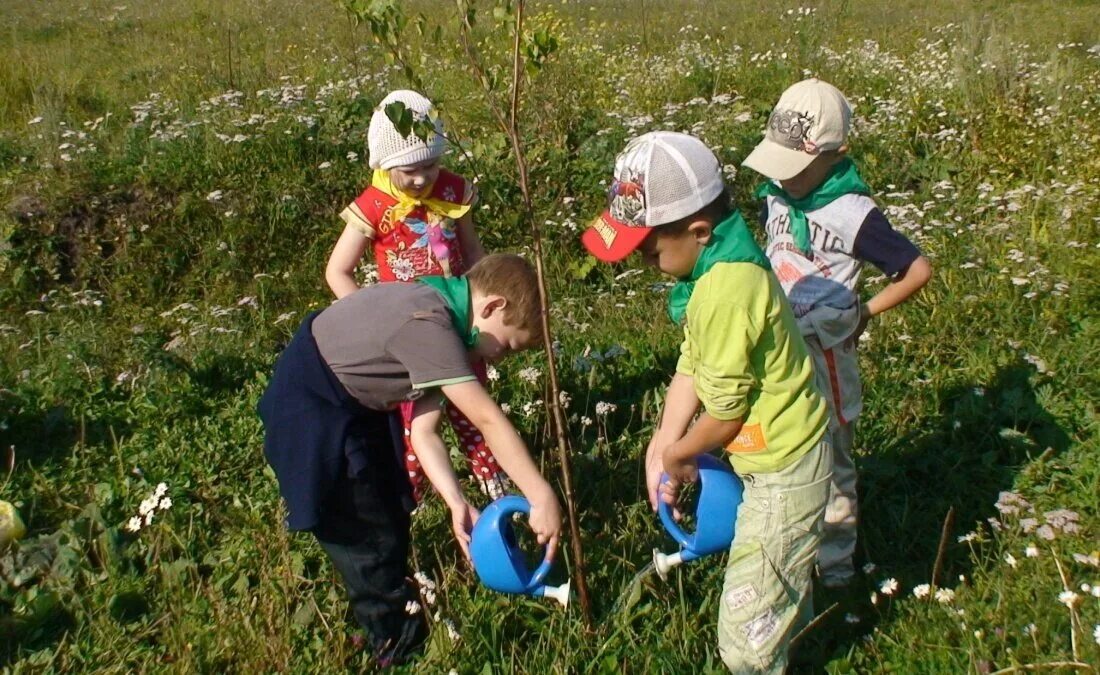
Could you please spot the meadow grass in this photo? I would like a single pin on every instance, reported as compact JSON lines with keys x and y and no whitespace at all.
{"x":170,"y":175}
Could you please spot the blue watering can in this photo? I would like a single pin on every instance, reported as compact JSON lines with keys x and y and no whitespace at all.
{"x":497,"y":559}
{"x":715,"y":516}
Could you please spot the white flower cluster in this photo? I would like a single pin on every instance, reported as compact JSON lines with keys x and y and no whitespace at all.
{"x":889,"y":587}
{"x":158,"y":501}
{"x":427,"y":587}
{"x":530,"y":374}
{"x":603,"y":408}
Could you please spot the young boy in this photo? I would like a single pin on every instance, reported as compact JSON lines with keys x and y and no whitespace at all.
{"x":335,"y":443}
{"x":822,"y":226}
{"x":743,"y":360}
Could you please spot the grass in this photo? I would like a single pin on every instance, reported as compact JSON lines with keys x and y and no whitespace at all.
{"x":163,"y":236}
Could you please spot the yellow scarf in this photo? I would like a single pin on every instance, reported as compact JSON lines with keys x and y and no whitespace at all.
{"x":405,"y":203}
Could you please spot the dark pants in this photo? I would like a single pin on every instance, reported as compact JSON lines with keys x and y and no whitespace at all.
{"x":364,"y":529}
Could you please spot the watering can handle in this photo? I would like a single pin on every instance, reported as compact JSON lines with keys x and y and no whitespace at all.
{"x":665,"y":511}
{"x":515,"y":504}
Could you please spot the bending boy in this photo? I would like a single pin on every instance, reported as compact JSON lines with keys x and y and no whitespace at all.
{"x":335,"y":443}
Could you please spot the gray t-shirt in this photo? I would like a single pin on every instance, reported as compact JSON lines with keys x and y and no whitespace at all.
{"x":387,"y":343}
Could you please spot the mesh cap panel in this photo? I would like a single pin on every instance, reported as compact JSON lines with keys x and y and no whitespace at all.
{"x":682,"y":177}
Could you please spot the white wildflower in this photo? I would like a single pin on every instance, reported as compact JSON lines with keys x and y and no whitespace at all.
{"x":452,"y":631}
{"x":324,"y":165}
{"x":586,"y":421}
{"x":148,"y":505}
{"x":945,"y":596}
{"x":889,"y":587}
{"x":604,"y":408}
{"x":1092,"y":559}
{"x":869,"y":568}
{"x":412,"y":607}
{"x":215,"y":195}
{"x":921,"y":591}
{"x":530,"y":374}
{"x":1069,"y":598}
{"x":492,"y":374}
{"x":1011,"y":560}
{"x":134,"y":524}
{"x":1032,"y":551}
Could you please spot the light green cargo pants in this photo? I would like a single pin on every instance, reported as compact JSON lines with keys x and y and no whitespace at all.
{"x":766,"y":596}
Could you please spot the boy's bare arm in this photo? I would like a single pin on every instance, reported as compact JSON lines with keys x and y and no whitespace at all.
{"x":705,"y":435}
{"x":511,"y":452}
{"x":432,"y":453}
{"x":900,"y":289}
{"x":345,"y":257}
{"x":468,"y":239}
{"x":679,"y":409}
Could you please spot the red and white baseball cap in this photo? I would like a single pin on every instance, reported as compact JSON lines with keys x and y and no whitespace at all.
{"x":811,"y":116}
{"x":660,"y":177}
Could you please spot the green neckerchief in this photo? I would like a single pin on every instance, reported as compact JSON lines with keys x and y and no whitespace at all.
{"x":456,"y":293}
{"x":730,"y":241}
{"x":843,"y":179}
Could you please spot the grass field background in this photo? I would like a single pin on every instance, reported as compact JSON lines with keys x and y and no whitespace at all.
{"x":170,"y":175}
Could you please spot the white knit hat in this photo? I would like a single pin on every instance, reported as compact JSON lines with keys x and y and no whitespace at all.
{"x":811,"y":117}
{"x":385,"y":144}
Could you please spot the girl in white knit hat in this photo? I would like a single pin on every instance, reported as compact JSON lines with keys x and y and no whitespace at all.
{"x":416,"y":216}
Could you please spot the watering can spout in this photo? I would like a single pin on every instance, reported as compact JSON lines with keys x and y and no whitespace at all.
{"x":559,"y":593}
{"x":664,"y":562}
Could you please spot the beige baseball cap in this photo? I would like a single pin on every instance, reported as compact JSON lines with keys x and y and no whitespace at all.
{"x":811,"y":116}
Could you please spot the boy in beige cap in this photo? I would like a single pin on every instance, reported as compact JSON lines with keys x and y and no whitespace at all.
{"x":822,"y":225}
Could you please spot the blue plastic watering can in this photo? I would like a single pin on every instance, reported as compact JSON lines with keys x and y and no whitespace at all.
{"x":497,"y":559}
{"x":720,"y":493}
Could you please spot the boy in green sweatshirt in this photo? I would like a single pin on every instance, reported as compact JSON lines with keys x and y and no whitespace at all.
{"x":744,"y":362}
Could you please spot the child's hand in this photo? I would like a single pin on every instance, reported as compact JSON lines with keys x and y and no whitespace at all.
{"x":654,"y":466}
{"x":861,"y":325}
{"x":680,"y":471}
{"x":545,"y":521}
{"x":463,"y":517}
